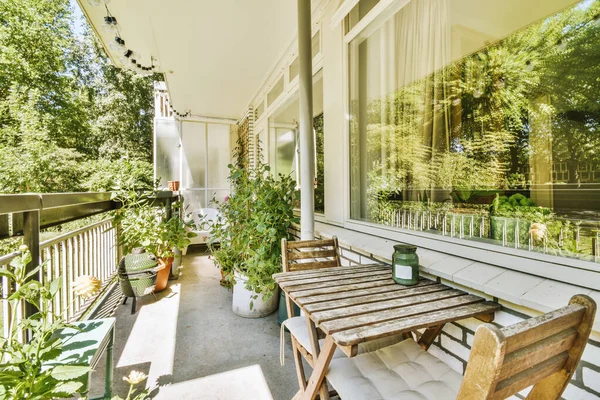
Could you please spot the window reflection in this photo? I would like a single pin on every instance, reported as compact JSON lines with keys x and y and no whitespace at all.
{"x":480,"y":120}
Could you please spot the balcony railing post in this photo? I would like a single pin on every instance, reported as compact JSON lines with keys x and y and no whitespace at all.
{"x":118,"y":230}
{"x":31,"y":238}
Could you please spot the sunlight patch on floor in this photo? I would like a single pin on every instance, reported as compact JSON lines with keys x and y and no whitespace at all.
{"x":153,"y":336}
{"x":238,"y":384}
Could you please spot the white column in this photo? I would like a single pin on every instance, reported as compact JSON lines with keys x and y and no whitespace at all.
{"x":307,"y":145}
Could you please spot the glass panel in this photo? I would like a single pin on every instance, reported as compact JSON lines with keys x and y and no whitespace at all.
{"x":218,"y":195}
{"x":194,"y":155}
{"x":316,"y":44}
{"x":479,"y":120}
{"x":294,"y":69}
{"x":286,"y":150}
{"x":275,"y":92}
{"x":320,"y":170}
{"x":358,"y":13}
{"x":218,"y":155}
{"x":167,"y":165}
{"x":194,"y":199}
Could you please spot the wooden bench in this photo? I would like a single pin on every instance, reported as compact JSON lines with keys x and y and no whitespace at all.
{"x":542,"y":351}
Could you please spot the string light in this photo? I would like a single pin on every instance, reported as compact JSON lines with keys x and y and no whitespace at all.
{"x":186,"y":114}
{"x":110,"y":25}
{"x":130,"y":59}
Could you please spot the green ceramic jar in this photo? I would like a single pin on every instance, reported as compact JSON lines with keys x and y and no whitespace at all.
{"x":405,"y":264}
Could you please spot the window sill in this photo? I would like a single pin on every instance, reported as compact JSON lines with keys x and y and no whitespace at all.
{"x":562,"y":269}
{"x":524,"y":290}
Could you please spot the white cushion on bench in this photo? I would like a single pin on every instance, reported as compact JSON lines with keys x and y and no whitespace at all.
{"x":297,"y":326}
{"x":401,"y":371}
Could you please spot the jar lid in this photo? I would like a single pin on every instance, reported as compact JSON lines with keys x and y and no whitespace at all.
{"x":405,"y":248}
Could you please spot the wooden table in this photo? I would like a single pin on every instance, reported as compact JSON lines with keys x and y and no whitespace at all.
{"x":352,"y":305}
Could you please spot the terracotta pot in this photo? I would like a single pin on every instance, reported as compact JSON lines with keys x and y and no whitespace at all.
{"x":173,"y":185}
{"x":162,"y":278}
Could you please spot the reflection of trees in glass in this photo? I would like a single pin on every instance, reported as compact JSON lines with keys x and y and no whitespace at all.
{"x":320,"y":172}
{"x":469,"y":125}
{"x":495,"y":121}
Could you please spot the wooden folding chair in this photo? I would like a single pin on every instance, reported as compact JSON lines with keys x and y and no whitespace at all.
{"x":542,"y":352}
{"x":308,"y":255}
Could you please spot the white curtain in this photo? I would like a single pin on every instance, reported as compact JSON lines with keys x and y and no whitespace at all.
{"x":414,"y":48}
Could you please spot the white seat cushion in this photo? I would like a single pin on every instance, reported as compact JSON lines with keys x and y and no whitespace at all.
{"x":297,"y":327}
{"x":401,"y":371}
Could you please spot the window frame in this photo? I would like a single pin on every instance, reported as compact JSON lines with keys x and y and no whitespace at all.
{"x":564,"y":269}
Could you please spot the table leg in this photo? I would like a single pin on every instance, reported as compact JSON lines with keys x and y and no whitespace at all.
{"x":108,"y":374}
{"x":429,"y":335}
{"x":314,"y":339}
{"x":317,"y":377}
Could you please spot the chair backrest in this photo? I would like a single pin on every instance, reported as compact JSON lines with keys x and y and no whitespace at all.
{"x":309,"y":254}
{"x":542,"y":351}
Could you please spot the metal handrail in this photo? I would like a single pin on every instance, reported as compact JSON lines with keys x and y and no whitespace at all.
{"x":68,"y":235}
{"x":7,"y":258}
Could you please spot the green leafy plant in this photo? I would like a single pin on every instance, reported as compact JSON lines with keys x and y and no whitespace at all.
{"x":251,"y":224}
{"x":25,"y":372}
{"x":146,"y":224}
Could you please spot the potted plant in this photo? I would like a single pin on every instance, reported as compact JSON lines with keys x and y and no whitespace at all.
{"x":251,"y":224}
{"x":146,"y":225}
{"x":169,"y":234}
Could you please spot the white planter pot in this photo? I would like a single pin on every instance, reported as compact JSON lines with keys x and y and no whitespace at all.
{"x":242,"y":297}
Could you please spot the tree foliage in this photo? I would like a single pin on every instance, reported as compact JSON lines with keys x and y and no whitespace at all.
{"x":68,"y":117}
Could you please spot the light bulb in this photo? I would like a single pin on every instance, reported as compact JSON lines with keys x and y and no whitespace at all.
{"x":110,"y":25}
{"x":94,"y":3}
{"x":118,"y":45}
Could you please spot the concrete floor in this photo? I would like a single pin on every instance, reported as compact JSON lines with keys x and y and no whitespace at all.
{"x":192,"y":346}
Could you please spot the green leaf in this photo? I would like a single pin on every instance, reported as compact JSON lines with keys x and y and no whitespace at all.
{"x":7,"y":273}
{"x":65,"y":389}
{"x":55,"y":286}
{"x":33,"y":272}
{"x":68,"y":372}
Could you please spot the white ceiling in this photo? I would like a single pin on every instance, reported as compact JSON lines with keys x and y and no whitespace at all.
{"x":215,"y":53}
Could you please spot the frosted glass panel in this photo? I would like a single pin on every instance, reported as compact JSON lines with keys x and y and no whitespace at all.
{"x":194,"y":199}
{"x":218,"y":195}
{"x":275,"y":92}
{"x":218,"y":155}
{"x":167,"y":166}
{"x":286,"y":151}
{"x":194,"y":155}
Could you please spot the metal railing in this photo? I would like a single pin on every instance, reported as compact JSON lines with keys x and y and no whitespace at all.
{"x":87,"y":251}
{"x":506,"y":231}
{"x":92,"y":250}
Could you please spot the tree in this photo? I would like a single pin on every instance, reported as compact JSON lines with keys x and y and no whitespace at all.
{"x":66,"y":113}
